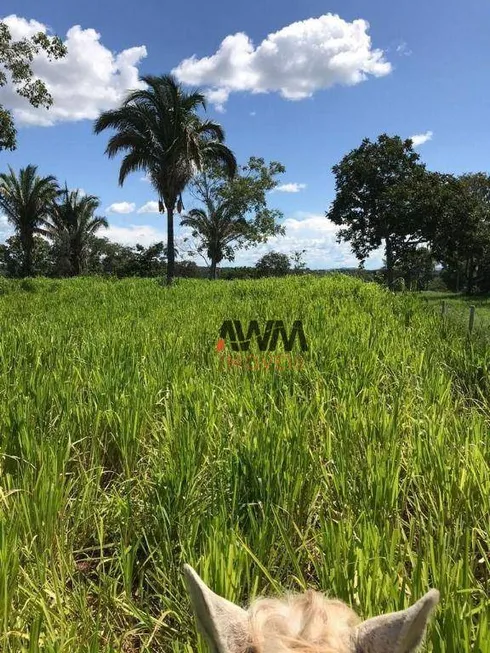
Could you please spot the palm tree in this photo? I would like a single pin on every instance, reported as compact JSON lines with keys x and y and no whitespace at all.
{"x":216,"y":229}
{"x":72,"y":224}
{"x":26,"y":199}
{"x":160,"y":132}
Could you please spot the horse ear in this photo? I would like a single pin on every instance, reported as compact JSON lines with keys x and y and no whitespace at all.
{"x":398,"y":632}
{"x":224,"y":624}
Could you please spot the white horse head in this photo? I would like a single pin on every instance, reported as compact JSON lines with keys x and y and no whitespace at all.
{"x":304,"y":623}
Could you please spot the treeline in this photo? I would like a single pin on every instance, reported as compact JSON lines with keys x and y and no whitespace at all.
{"x":159,"y":130}
{"x":100,"y":257}
{"x":56,"y":234}
{"x":385,"y":197}
{"x":431,"y":225}
{"x":51,"y":258}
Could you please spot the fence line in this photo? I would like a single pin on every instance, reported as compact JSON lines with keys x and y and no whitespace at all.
{"x":471,"y":319}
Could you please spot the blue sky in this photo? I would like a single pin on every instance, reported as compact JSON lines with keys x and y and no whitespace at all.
{"x":283,"y":89}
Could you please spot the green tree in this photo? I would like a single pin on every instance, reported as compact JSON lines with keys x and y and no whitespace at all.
{"x":235,"y":214}
{"x":273,"y":264}
{"x":150,"y":261}
{"x":461,"y":231}
{"x":297,"y":261}
{"x":26,"y":200}
{"x":106,"y":257}
{"x":416,"y":268}
{"x":72,"y":224}
{"x":15,"y":66}
{"x":379,"y":199}
{"x":138,"y":261}
{"x":12,"y":257}
{"x":160,"y":132}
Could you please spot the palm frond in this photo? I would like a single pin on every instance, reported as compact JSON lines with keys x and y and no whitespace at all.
{"x":213,"y":130}
{"x":220,"y":153}
{"x":133,"y":161}
{"x":158,"y":130}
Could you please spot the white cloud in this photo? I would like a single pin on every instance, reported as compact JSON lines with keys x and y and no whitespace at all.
{"x":146,"y":178}
{"x":317,"y":235}
{"x":149,"y":207}
{"x":290,"y":188}
{"x":420,"y":139}
{"x":307,"y":231}
{"x":145,"y":235}
{"x":296,"y":61}
{"x":6,"y":229}
{"x":218,"y":97}
{"x":89,"y":79}
{"x":121,"y":207}
{"x":403,"y":49}
{"x":134,"y":233}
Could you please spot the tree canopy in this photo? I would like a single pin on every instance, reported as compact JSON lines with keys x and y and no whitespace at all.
{"x":460,"y":233}
{"x":378,"y":198}
{"x":71,"y":225}
{"x":26,"y":199}
{"x":16,"y":58}
{"x":234,"y":213}
{"x":273,"y":264}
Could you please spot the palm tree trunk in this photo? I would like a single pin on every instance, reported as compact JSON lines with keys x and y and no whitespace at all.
{"x":76,"y":264}
{"x":213,"y":271}
{"x":27,"y":246}
{"x":170,"y":244}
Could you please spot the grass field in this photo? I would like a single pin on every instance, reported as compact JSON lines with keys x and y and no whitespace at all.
{"x":458,"y":308}
{"x":128,"y":448}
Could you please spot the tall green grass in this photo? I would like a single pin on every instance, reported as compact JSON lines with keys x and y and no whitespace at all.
{"x":127,"y":448}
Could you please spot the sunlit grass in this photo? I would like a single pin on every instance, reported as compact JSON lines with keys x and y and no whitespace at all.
{"x":457,"y":308}
{"x":127,"y":448}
